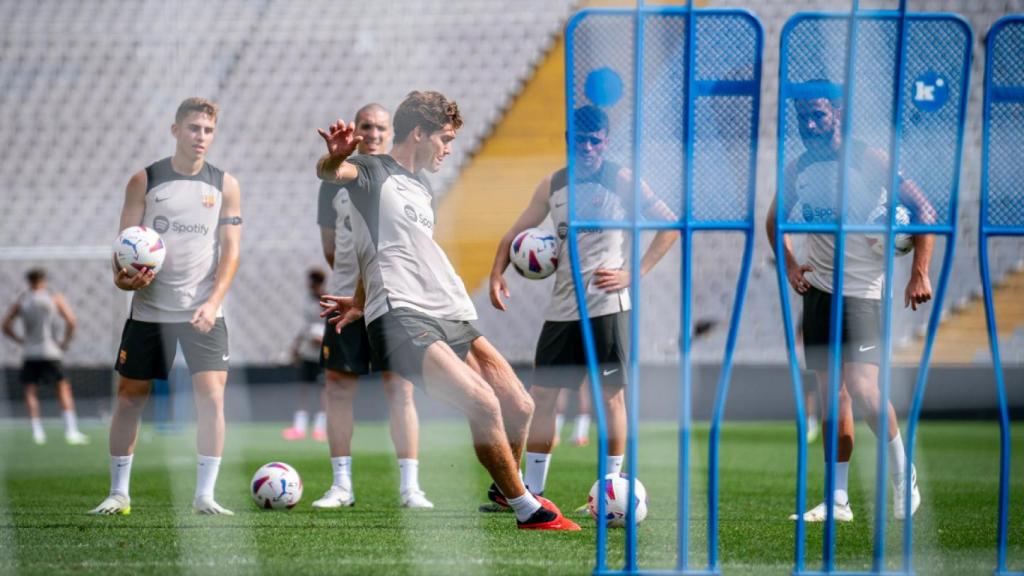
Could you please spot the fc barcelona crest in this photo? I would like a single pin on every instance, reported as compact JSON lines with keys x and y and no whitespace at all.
{"x":209,"y":200}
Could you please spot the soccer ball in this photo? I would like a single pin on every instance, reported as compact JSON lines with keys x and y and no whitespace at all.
{"x":276,"y":486}
{"x":139,"y":247}
{"x":534,"y":253}
{"x":904,"y":242}
{"x":616,"y":498}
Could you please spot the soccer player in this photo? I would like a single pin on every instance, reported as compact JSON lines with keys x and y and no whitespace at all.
{"x":38,"y":309}
{"x":810,"y":184}
{"x":417,"y":309}
{"x":306,"y":357}
{"x":196,"y":207}
{"x":604,"y":191}
{"x":346,"y":355}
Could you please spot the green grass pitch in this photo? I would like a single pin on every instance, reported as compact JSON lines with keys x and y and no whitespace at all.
{"x":46,"y":491}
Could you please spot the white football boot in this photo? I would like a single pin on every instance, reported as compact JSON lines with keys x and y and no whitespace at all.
{"x":76,"y":438}
{"x":335,"y":497}
{"x":842,"y":513}
{"x":416,"y":498}
{"x":898,"y":510}
{"x":207,"y":506}
{"x":113,"y":505}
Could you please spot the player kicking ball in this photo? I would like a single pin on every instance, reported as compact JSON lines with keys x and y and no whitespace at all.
{"x":416,"y":307}
{"x":810,"y":184}
{"x":604,"y":190}
{"x":196,"y":207}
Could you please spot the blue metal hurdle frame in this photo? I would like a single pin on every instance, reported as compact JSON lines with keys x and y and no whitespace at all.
{"x":687,"y":226}
{"x":840,"y":229}
{"x":986,"y":229}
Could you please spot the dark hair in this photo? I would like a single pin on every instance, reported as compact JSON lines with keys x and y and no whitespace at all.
{"x":35,"y":276}
{"x":589,"y":118}
{"x":316,"y":276}
{"x":428,"y":110}
{"x":818,"y":89}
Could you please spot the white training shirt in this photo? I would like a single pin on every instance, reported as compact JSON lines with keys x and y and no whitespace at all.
{"x":393,"y":229}
{"x":816,"y":193}
{"x":39,"y":317}
{"x":185,"y":211}
{"x":597,"y":198}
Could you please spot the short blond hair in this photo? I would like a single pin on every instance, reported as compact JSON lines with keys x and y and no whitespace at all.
{"x":196,"y":104}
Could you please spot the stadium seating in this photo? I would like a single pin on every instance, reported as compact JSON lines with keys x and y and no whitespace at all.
{"x":89,"y":88}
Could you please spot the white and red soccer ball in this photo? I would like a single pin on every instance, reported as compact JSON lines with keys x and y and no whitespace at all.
{"x":276,"y":486}
{"x":534,"y":253}
{"x":139,"y":247}
{"x":616,"y":498}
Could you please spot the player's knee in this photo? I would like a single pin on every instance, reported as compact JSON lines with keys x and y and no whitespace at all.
{"x":398,"y":392}
{"x":524,"y":406}
{"x":340,"y":388}
{"x":485,"y":408}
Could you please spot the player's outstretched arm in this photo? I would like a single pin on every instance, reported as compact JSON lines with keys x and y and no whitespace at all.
{"x":132,"y":211}
{"x":230,"y":240}
{"x":341,"y":140}
{"x":8,"y":326}
{"x":535,"y":213}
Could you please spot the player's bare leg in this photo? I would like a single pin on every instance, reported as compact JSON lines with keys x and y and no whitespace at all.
{"x":451,"y":380}
{"x":405,"y":433}
{"x":72,"y":434}
{"x":124,"y":431}
{"x":517,"y":406}
{"x":208,"y":389}
{"x":845,"y":427}
{"x":862,"y":381}
{"x":339,"y":395}
{"x":32,"y":404}
{"x":581,"y":428}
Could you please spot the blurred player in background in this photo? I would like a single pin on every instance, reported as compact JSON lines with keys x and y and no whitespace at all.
{"x":604,"y":191}
{"x":417,"y":309}
{"x":42,"y":351}
{"x":306,"y":358}
{"x":196,"y":207}
{"x":810,"y":183}
{"x":581,"y":420}
{"x":346,"y":355}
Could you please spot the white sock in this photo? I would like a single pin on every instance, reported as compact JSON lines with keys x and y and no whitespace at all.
{"x":581,"y":430}
{"x":559,"y":422}
{"x":842,"y":482}
{"x":120,"y":474}
{"x":70,"y":422}
{"x":537,"y":471}
{"x":342,"y":467}
{"x":812,"y":422}
{"x":37,"y":427}
{"x":207,"y":468}
{"x":897,"y":457}
{"x":524,"y":506}
{"x":300,"y":421}
{"x":409,"y":471}
{"x":321,"y":421}
{"x":614,"y":464}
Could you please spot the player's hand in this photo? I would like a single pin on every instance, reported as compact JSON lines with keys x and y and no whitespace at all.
{"x":796,"y":272}
{"x":611,"y":279}
{"x":129,"y":282}
{"x":499,"y":288}
{"x":919,"y":290}
{"x":341,"y":138}
{"x":204,"y":317}
{"x":341,"y":310}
